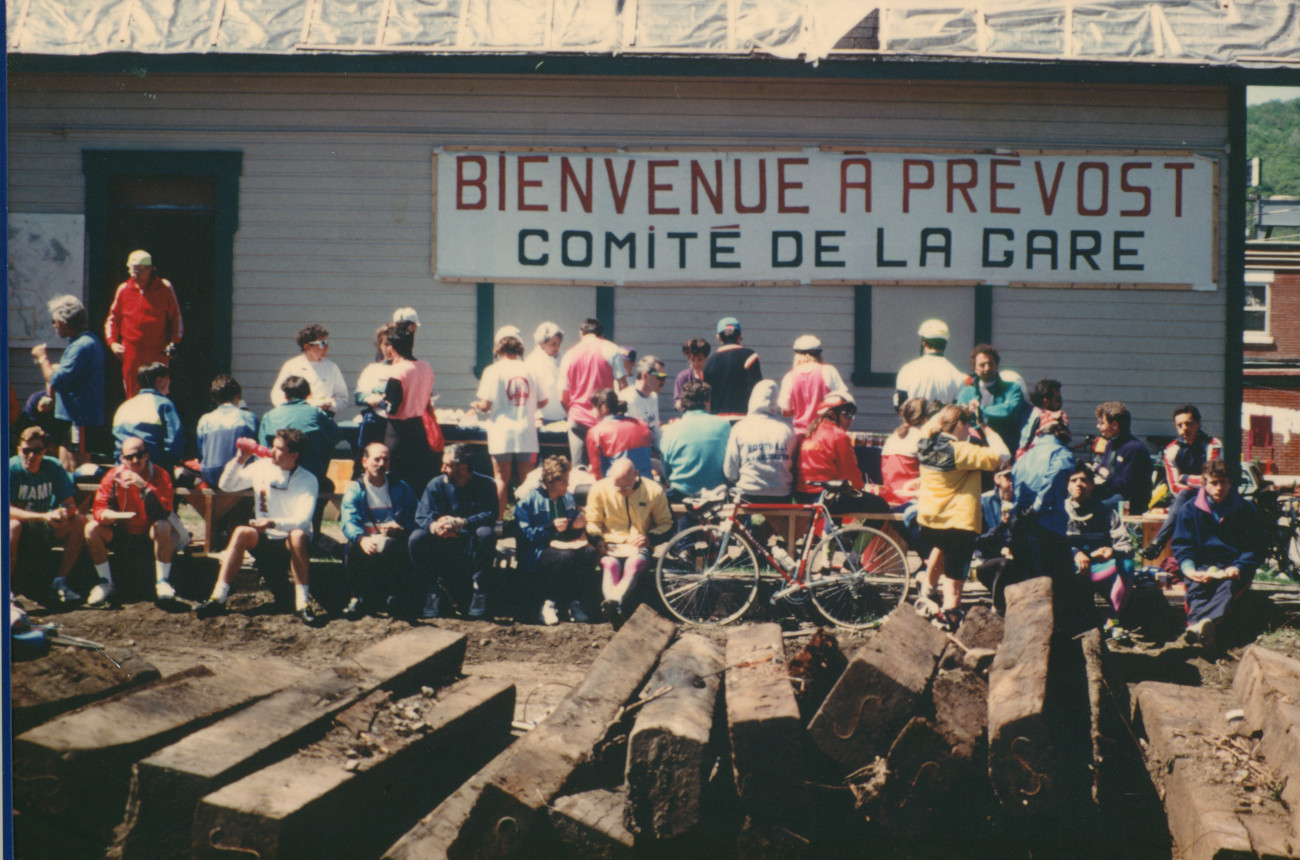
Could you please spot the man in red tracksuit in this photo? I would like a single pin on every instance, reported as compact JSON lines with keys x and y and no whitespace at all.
{"x":144,"y":322}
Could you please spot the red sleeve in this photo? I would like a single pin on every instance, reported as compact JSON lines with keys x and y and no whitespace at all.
{"x":113,"y":325}
{"x":846,"y":461}
{"x":162,"y":488}
{"x":175,"y":325}
{"x":103,"y":495}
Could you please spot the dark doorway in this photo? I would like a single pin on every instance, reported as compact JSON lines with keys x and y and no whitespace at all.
{"x":182,"y":209}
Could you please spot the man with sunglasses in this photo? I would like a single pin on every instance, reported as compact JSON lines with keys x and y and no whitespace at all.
{"x":42,"y":507}
{"x":131,"y":509}
{"x":329,"y":390}
{"x":279,"y":535}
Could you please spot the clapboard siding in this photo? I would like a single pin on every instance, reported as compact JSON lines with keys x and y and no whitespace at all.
{"x":335,"y":208}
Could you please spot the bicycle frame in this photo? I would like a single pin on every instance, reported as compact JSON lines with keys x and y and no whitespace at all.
{"x":819,"y":519}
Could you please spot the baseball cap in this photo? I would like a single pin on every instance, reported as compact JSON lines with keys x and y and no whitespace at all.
{"x":807,"y":343}
{"x":728,"y":324}
{"x":139,"y":258}
{"x":933,"y":329}
{"x":546,"y":331}
{"x":406,"y":315}
{"x":507,"y":331}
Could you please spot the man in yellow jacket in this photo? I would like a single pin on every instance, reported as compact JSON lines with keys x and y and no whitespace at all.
{"x":626,"y":516}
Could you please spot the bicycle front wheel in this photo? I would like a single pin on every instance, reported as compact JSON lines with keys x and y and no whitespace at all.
{"x":707,"y":575}
{"x":857,"y":575}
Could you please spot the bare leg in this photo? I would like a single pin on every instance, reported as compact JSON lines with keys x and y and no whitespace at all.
{"x":97,"y":538}
{"x":73,"y":535}
{"x":299,"y":556}
{"x":164,"y":540}
{"x":501,"y":470}
{"x":934,"y":567}
{"x":243,"y":539}
{"x":952,"y":589}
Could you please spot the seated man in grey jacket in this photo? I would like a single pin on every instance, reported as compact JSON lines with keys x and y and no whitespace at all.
{"x":761,"y":450}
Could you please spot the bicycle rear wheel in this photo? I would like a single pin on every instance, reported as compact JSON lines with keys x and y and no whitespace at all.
{"x":707,"y":575}
{"x":857,"y":575}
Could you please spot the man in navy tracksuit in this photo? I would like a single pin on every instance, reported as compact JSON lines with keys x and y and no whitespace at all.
{"x":1218,"y":541}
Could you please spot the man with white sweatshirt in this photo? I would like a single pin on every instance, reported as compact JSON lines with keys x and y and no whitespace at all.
{"x":761,"y":449}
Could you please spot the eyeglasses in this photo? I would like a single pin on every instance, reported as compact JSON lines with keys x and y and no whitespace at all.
{"x":323,"y":344}
{"x":660,"y":375}
{"x":31,"y":450}
{"x":141,"y":455}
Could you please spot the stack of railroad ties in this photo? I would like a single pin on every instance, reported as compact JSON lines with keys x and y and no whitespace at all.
{"x":1009,"y":738}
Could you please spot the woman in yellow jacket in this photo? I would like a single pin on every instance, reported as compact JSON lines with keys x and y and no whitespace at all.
{"x":948,"y":507}
{"x":626,"y":516}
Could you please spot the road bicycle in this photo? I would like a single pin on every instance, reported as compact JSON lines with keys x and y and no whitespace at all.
{"x":710,"y":574}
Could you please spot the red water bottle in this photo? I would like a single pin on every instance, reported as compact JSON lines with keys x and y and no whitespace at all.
{"x":250,"y":446}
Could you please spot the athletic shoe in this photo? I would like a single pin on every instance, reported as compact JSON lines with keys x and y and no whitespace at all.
{"x":1151,"y":550}
{"x":548,"y":615}
{"x":309,"y":617}
{"x":354,"y":610}
{"x":1202,"y":632}
{"x":100,"y":594}
{"x":613,"y":614}
{"x":432,"y":605}
{"x":927,"y":608}
{"x":65,"y":596}
{"x":210,"y":608}
{"x":478,"y":605}
{"x":163,"y":591}
{"x":1115,"y":633}
{"x":948,"y":620}
{"x":576,"y":614}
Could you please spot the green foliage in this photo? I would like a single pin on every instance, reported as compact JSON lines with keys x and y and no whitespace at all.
{"x":1273,"y":136}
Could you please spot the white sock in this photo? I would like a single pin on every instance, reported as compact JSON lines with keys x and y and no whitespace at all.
{"x":162,"y":570}
{"x":221,"y":591}
{"x":300,"y":593}
{"x":104,"y":572}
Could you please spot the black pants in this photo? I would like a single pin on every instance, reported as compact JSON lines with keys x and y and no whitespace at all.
{"x":568,"y":574}
{"x":375,"y":578}
{"x":460,"y":563}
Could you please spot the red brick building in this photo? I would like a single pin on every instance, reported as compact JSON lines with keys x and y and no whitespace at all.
{"x":1271,"y":351}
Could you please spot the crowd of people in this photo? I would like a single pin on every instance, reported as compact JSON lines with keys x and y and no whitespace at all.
{"x":981,"y":469}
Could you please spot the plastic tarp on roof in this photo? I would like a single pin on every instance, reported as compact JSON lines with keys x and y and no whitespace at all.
{"x":1215,"y":32}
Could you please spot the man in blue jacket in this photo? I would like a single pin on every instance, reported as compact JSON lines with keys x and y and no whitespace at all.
{"x":77,"y":382}
{"x":1218,"y":541}
{"x":378,"y":516}
{"x":1123,"y":461}
{"x":1040,"y":483}
{"x":151,"y":416}
{"x":454,"y":542}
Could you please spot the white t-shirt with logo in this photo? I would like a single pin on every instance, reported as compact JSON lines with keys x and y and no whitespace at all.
{"x":512,"y":422}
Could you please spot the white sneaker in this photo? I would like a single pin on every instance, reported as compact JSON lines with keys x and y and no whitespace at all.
{"x":549,"y":616}
{"x":65,"y":595}
{"x":432,"y":606}
{"x":100,"y":594}
{"x":576,"y":614}
{"x":927,"y":608}
{"x":163,"y":590}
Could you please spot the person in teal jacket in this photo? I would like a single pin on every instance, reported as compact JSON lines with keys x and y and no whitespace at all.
{"x":1002,"y":402}
{"x":565,"y":575}
{"x":378,"y":516}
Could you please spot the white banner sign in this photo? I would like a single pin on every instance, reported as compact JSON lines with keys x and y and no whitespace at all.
{"x":813,"y":215}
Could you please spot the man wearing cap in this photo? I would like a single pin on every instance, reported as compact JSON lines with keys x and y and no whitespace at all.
{"x":590,"y":364}
{"x":808,"y":383}
{"x":642,"y":398}
{"x":544,"y":362}
{"x":406,"y":315}
{"x":144,"y":323}
{"x":931,"y":376}
{"x":732,"y":371}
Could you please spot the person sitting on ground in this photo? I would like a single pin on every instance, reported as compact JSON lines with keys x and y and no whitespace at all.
{"x":616,"y":436}
{"x":77,"y":382}
{"x":762,"y":449}
{"x":369,"y":395}
{"x":151,"y":416}
{"x":807,"y":383}
{"x":948,"y":506}
{"x":695,"y":446}
{"x":732,"y":370}
{"x":132,"y":508}
{"x":1218,"y":541}
{"x":1045,"y":396}
{"x":1102,"y":548}
{"x":454,"y":542}
{"x":378,"y":517}
{"x":548,"y":519}
{"x":218,"y":431}
{"x":279,"y":535}
{"x":510,"y":394}
{"x":1184,"y":460}
{"x":642,"y":397}
{"x":1123,"y":461}
{"x":627,"y":515}
{"x":327,"y":388}
{"x":1001,"y":401}
{"x":696,"y":350}
{"x":316,"y":425}
{"x":42,"y":513}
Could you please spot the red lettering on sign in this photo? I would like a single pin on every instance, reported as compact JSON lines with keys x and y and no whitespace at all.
{"x":569,"y":177}
{"x":501,"y":182}
{"x":864,"y":185}
{"x":995,"y":185}
{"x":713,"y":192}
{"x":1178,"y":167}
{"x":908,"y":184}
{"x":1125,"y":185}
{"x":659,"y":186}
{"x":762,"y":189}
{"x":972,"y":179}
{"x":782,"y":184}
{"x":525,"y":183}
{"x":1049,"y":198}
{"x":1104,"y":169}
{"x":463,"y":182}
{"x":620,"y":196}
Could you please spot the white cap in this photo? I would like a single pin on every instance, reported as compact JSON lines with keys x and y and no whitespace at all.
{"x":546,"y":331}
{"x":933,"y":330}
{"x":507,"y":331}
{"x":139,"y":258}
{"x":406,"y":315}
{"x":807,"y":343}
